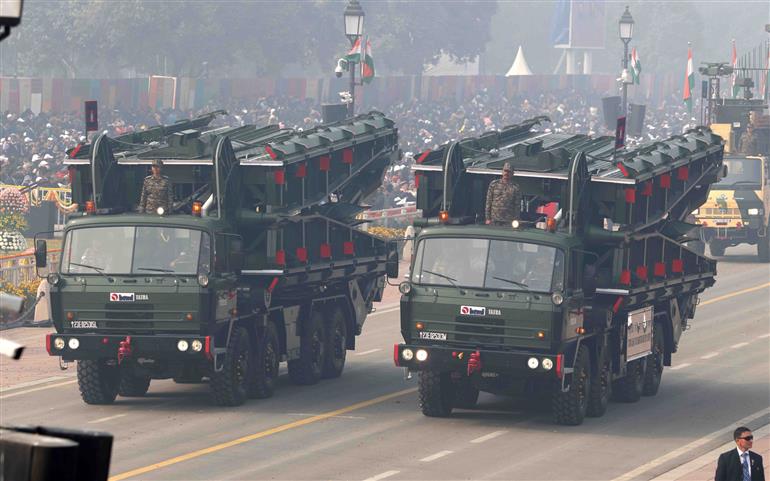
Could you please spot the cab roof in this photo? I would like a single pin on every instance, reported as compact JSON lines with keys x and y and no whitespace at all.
{"x":524,"y":234}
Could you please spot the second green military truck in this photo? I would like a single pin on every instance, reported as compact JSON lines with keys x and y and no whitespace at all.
{"x":258,"y":260}
{"x":586,"y":302}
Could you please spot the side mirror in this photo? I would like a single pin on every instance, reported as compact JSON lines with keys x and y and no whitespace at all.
{"x":589,"y":280}
{"x":41,"y":253}
{"x":391,"y":265}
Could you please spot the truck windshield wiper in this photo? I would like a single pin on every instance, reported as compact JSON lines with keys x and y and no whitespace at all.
{"x":515,"y":283}
{"x":450,"y":279}
{"x":97,"y":269}
{"x":164,"y":271}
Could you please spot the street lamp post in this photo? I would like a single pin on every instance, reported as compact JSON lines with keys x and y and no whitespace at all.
{"x":10,"y":16}
{"x":626,"y":27}
{"x":354,"y":29}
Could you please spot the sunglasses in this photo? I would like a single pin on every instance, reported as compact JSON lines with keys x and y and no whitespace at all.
{"x":748,"y":438}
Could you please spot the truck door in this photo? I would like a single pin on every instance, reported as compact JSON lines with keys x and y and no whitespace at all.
{"x":228,"y":260}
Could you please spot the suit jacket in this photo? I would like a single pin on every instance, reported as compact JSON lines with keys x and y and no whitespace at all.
{"x":729,"y":467}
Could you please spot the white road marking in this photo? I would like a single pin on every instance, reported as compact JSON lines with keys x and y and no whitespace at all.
{"x":740,"y":344}
{"x":304,"y":415}
{"x":764,"y":336}
{"x":32,"y":383}
{"x":436,"y":456}
{"x":385,"y":310}
{"x":487,"y":437}
{"x":27,"y":391}
{"x":108,"y":418}
{"x":709,"y":356}
{"x":384,"y":475}
{"x":680,"y":366}
{"x":635,"y":473}
{"x":364,"y":353}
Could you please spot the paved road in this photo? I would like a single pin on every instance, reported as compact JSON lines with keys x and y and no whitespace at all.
{"x":366,"y":425}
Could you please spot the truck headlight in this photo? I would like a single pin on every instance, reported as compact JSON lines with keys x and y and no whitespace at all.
{"x":196,"y":345}
{"x":54,"y":279}
{"x":73,"y":343}
{"x":557,"y":298}
{"x":421,"y":355}
{"x":753,"y":211}
{"x":58,"y":343}
{"x":547,"y":364}
{"x":515,"y":224}
{"x":405,"y":288}
{"x":407,"y":354}
{"x":182,"y":345}
{"x":203,"y":280}
{"x":160,"y":211}
{"x":532,"y":362}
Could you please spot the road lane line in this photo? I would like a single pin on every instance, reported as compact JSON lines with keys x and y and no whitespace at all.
{"x":32,"y":383}
{"x":727,"y":430}
{"x":740,"y":344}
{"x":436,"y":456}
{"x":763,"y":336}
{"x":335,"y":417}
{"x":261,"y":434}
{"x":385,"y":310}
{"x":710,"y":355}
{"x":487,"y":437}
{"x":108,"y":418}
{"x":680,"y":366}
{"x":384,"y":475}
{"x":364,"y":353}
{"x":733,"y":294}
{"x":14,"y":394}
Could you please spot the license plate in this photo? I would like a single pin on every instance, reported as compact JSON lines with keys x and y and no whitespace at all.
{"x":83,"y":325}
{"x":721,"y":222}
{"x":433,"y":336}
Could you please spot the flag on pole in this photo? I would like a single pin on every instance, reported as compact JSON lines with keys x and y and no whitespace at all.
{"x":354,"y":55}
{"x":689,"y":81}
{"x":367,"y":66}
{"x":765,"y":84}
{"x":734,"y":79}
{"x":636,"y":66}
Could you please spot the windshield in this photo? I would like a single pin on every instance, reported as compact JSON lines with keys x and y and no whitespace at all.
{"x":136,"y":250}
{"x":488,"y":264}
{"x":742,"y":171}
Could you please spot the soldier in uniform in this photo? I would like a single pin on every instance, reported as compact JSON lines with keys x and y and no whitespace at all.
{"x":748,"y":144}
{"x":503,"y":199}
{"x":156,"y":191}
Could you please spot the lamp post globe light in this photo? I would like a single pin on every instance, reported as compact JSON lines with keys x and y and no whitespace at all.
{"x":10,"y":16}
{"x":626,"y":31}
{"x":354,"y":29}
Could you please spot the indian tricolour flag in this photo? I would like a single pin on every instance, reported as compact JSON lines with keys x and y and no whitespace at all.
{"x":356,"y":53}
{"x":689,"y":81}
{"x":636,"y":66}
{"x":734,"y":78}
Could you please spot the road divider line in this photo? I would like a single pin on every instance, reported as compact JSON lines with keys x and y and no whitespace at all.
{"x":764,"y":336}
{"x":27,"y":391}
{"x":335,"y":417}
{"x":384,"y":475}
{"x":725,"y":431}
{"x":262,"y":434}
{"x":108,"y":418}
{"x":680,"y":366}
{"x":364,"y":353}
{"x":32,"y":383}
{"x":487,"y":437}
{"x":740,"y":344}
{"x":710,"y":355}
{"x":736,"y":293}
{"x":436,"y":456}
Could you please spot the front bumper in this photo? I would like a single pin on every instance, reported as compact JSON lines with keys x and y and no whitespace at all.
{"x":97,"y":346}
{"x":511,"y":363}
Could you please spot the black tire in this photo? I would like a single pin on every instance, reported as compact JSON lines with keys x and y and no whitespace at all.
{"x":229,"y":387}
{"x":569,"y":408}
{"x":133,"y":385}
{"x":601,"y":387}
{"x":628,"y":389}
{"x":98,"y":381}
{"x":654,"y":372}
{"x":336,"y":337}
{"x":266,"y":362}
{"x":716,"y":248}
{"x":436,"y":392}
{"x":307,"y":369}
{"x":763,"y":248}
{"x":466,"y":394}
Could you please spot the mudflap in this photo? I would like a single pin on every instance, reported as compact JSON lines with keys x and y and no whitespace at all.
{"x":570,"y":354}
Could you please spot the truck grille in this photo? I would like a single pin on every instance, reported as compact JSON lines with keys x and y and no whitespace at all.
{"x":480,"y":330}
{"x":137,"y":318}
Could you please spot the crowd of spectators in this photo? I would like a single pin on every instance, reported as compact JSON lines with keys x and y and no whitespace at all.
{"x":32,"y":147}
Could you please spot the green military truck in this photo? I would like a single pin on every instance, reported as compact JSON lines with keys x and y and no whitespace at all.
{"x":583,"y":304}
{"x":258,"y":261}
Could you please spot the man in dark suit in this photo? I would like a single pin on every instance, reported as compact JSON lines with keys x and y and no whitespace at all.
{"x":740,"y":464}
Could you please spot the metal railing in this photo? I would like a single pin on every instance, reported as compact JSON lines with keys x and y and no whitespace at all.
{"x":20,"y":268}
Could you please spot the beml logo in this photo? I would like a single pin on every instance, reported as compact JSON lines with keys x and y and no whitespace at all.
{"x":113,"y":296}
{"x":121,"y":297}
{"x":473,"y":311}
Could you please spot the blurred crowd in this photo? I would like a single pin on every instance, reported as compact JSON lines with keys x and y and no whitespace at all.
{"x":32,"y":147}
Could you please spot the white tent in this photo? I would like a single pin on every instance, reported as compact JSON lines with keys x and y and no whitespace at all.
{"x":519,"y":66}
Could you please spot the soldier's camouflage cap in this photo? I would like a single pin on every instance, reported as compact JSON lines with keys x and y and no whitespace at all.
{"x":157,"y":163}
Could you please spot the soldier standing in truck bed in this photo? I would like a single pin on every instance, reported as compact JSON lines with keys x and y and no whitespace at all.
{"x":156,"y":191}
{"x":503,"y":199}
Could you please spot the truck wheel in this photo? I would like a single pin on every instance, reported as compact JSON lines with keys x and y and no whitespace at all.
{"x":654,"y":372}
{"x":336,"y":339}
{"x":307,"y":369}
{"x":466,"y":394}
{"x":569,"y":408}
{"x":229,"y":387}
{"x":717,"y":249}
{"x":98,"y":381}
{"x":601,"y":388}
{"x":266,"y":361}
{"x":763,"y":248}
{"x":133,"y":385}
{"x":629,"y":388}
{"x":436,"y":393}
